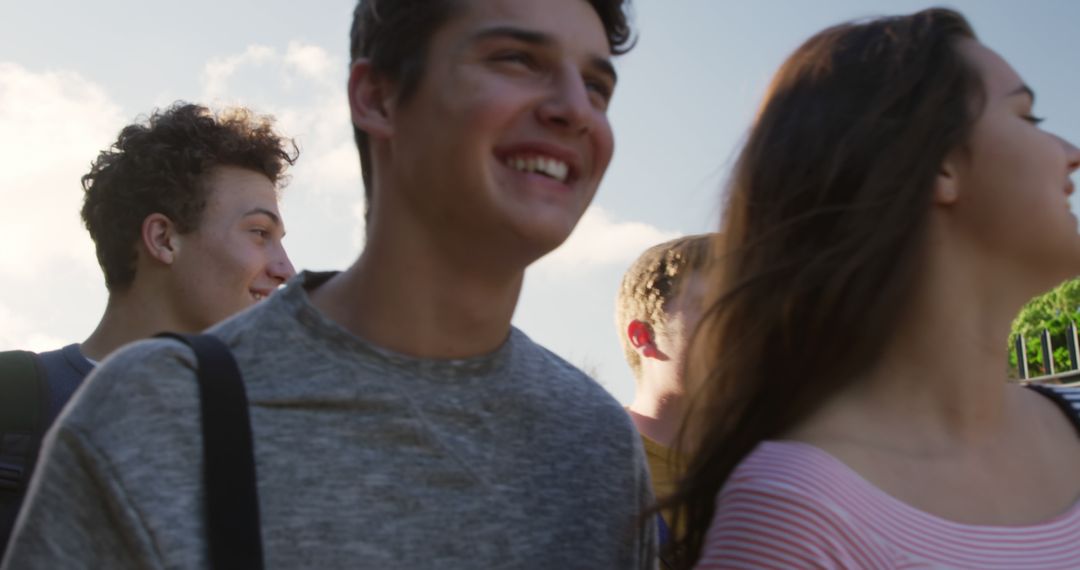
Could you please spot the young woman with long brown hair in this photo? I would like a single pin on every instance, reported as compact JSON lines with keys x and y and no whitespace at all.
{"x":894,"y":206}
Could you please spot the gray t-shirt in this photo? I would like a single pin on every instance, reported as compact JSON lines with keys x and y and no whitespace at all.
{"x":365,"y":458}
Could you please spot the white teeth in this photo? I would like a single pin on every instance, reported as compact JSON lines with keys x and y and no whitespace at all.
{"x":547,"y":166}
{"x":559,"y":169}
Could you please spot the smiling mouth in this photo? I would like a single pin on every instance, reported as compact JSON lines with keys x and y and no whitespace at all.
{"x":553,"y":168}
{"x":257,"y":296}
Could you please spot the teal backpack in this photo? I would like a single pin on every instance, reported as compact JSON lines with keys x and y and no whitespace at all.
{"x":23,"y":412}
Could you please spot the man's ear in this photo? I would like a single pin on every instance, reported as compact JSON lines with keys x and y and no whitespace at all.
{"x":947,"y":183}
{"x":642,"y":339}
{"x":369,"y":100}
{"x":160,"y":238}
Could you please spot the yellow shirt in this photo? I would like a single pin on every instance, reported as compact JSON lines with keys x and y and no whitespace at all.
{"x":663,"y":467}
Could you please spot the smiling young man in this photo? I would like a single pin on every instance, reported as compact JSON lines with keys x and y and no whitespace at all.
{"x":183,"y":212}
{"x":399,"y":420}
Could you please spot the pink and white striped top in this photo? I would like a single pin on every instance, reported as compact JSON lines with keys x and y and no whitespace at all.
{"x":791,"y":505}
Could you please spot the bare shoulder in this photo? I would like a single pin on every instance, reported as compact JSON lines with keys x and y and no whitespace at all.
{"x":1052,"y":414}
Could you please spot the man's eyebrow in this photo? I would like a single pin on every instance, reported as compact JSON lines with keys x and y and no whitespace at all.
{"x":256,"y":211}
{"x":1023,"y":90}
{"x":598,"y":63}
{"x":519,"y":34}
{"x":264,"y":212}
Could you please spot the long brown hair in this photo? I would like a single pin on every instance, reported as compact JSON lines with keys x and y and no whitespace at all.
{"x":824,"y":234}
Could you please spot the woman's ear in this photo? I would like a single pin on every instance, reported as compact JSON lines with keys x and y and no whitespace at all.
{"x":369,"y":100}
{"x":947,"y":181}
{"x":159,"y":238}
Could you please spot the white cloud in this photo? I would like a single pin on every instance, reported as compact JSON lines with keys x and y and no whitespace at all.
{"x":219,"y":70}
{"x":310,"y":60}
{"x":51,"y":126}
{"x":600,"y":240}
{"x":19,"y":332}
{"x":338,"y":167}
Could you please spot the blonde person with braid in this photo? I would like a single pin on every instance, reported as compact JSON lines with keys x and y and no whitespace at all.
{"x":656,"y":311}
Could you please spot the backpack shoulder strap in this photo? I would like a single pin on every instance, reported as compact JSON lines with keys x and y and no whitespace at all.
{"x":232,"y":502}
{"x":23,"y":404}
{"x":1067,"y":399}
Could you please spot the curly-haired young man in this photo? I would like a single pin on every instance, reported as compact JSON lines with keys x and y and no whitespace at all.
{"x":399,"y":420}
{"x":183,"y":211}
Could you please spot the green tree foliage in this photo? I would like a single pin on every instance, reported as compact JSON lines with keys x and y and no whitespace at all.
{"x":1052,"y":311}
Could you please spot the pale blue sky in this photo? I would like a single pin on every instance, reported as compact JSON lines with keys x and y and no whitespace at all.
{"x":73,"y":72}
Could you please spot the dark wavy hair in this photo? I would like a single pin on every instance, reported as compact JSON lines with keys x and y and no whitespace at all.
{"x":160,"y":166}
{"x":824,"y":234}
{"x":395,"y":34}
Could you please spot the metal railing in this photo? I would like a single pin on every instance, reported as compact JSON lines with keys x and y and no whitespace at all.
{"x":1049,"y":376}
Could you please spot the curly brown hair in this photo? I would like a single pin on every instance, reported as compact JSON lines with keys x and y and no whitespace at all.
{"x":395,"y":35}
{"x":160,"y":166}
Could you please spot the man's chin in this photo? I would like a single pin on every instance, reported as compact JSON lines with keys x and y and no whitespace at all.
{"x":541,"y":241}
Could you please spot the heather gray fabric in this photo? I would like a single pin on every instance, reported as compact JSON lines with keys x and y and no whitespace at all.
{"x":366,"y":459}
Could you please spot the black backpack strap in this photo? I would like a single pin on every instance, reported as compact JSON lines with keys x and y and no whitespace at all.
{"x":24,"y":403}
{"x":1067,"y":399}
{"x":23,"y":409}
{"x":232,"y":499}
